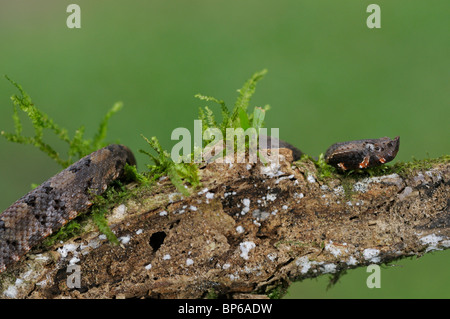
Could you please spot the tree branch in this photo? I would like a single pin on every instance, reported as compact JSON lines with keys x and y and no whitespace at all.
{"x":252,"y":228}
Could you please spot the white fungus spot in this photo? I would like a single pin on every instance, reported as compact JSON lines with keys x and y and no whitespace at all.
{"x":432,"y":241}
{"x":256,"y":223}
{"x":233,"y":277}
{"x":189,"y":262}
{"x":163,"y":213}
{"x":125,"y":239}
{"x":352,"y":261}
{"x":311,"y":179}
{"x":148,"y":267}
{"x":329,"y":268}
{"x":239,"y":229}
{"x":305,"y":264}
{"x":41,"y":257}
{"x":371,"y":254}
{"x":360,"y":187}
{"x":245,"y":248}
{"x":272,"y":256}
{"x":175,"y":196}
{"x":11,"y":292}
{"x":166,"y":257}
{"x":260,"y":215}
{"x":272,"y":170}
{"x":405,"y":193}
{"x":119,"y":211}
{"x":299,"y":195}
{"x":64,"y":251}
{"x":333,"y":249}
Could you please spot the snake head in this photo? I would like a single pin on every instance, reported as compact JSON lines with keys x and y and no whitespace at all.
{"x":383,"y":150}
{"x":362,"y":153}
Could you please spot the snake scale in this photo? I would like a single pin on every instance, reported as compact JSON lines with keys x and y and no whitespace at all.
{"x":61,"y":198}
{"x":58,"y":200}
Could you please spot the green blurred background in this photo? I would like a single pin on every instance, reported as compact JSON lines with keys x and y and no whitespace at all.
{"x":330,"y":79}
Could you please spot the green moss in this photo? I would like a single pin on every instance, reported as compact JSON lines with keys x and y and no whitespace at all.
{"x":78,"y":145}
{"x":163,"y":165}
{"x":238,"y":117}
{"x":277,"y":292}
{"x":324,"y":170}
{"x":186,"y":172}
{"x":403,"y":169}
{"x":406,"y":169}
{"x":72,"y":229}
{"x":347,"y":184}
{"x":212,"y":294}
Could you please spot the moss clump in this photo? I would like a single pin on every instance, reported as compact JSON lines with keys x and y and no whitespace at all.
{"x":322,"y":170}
{"x":405,"y":169}
{"x":238,"y":117}
{"x":78,"y":145}
{"x":164,"y":165}
{"x":72,"y":229}
{"x":277,"y":292}
{"x":186,"y":172}
{"x":212,"y":294}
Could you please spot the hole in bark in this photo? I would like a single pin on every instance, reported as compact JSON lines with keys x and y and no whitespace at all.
{"x":157,"y":239}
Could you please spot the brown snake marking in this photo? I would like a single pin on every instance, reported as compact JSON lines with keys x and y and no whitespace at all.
{"x":58,"y":200}
{"x":61,"y":198}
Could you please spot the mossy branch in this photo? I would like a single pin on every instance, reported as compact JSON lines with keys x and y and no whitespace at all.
{"x":297,"y":227}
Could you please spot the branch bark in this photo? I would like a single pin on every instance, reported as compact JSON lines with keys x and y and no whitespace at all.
{"x":251,"y":228}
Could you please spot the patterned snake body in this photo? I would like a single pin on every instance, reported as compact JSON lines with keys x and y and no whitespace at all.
{"x":58,"y":200}
{"x":55,"y":202}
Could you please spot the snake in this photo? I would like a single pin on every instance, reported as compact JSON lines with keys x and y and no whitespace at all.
{"x":64,"y":196}
{"x":58,"y":200}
